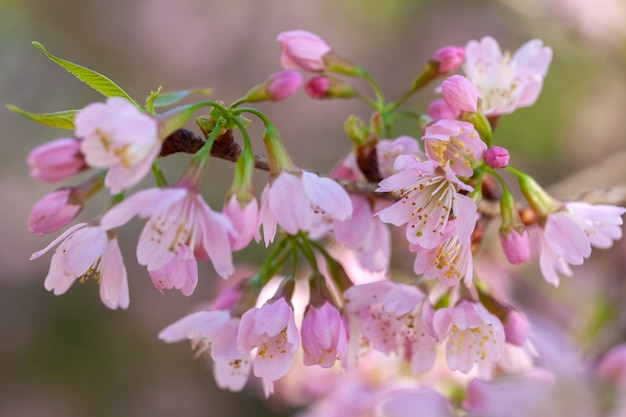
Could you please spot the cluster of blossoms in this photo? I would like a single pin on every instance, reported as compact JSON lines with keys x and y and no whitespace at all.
{"x":429,"y":187}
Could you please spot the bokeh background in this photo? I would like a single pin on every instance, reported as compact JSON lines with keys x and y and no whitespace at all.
{"x":70,"y":356}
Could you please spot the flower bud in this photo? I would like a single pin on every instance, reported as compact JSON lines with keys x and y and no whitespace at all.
{"x":449,"y":58}
{"x":53,"y":211}
{"x":328,"y":87}
{"x":438,"y":109}
{"x":612,"y":366}
{"x":56,"y":161}
{"x":515,"y":244}
{"x":497,"y":157}
{"x":277,"y":87}
{"x":460,"y":94}
{"x":302,"y":50}
{"x":516,"y":327}
{"x":513,"y":234}
{"x":324,"y":336}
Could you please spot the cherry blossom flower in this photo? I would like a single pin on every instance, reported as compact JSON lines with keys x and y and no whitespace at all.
{"x":117,"y":136}
{"x":323,"y":335}
{"x":429,"y":197}
{"x":567,"y":235}
{"x":53,"y":211}
{"x":393,"y":317}
{"x":297,"y":201}
{"x":516,"y":245}
{"x":454,"y":141}
{"x":56,"y":161}
{"x":506,"y":82}
{"x":180,"y":228}
{"x":363,"y":233}
{"x":88,"y":251}
{"x":302,"y":50}
{"x":450,"y":261}
{"x":272,"y":330}
{"x":474,"y":335}
{"x":388,"y":150}
{"x":214,"y":333}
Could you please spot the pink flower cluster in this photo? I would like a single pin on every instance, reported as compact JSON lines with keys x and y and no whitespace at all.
{"x":429,"y":188}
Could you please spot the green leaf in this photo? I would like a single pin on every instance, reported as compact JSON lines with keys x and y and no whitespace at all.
{"x":62,"y":119}
{"x":159,"y":99}
{"x":97,"y":81}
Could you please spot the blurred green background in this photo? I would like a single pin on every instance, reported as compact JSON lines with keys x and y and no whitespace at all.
{"x":70,"y":356}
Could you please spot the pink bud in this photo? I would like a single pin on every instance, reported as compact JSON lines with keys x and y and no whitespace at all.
{"x":612,"y":366}
{"x":328,"y":87}
{"x":53,"y":212}
{"x":460,"y":94}
{"x":283,"y":85}
{"x":302,"y":50}
{"x":317,"y":87}
{"x":56,"y":160}
{"x":438,"y":109}
{"x":449,"y":58}
{"x":323,"y":336}
{"x":516,"y":245}
{"x":497,"y":157}
{"x":245,"y":220}
{"x":516,"y":328}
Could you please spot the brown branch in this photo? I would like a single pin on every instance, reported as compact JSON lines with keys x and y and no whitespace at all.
{"x":225,"y":147}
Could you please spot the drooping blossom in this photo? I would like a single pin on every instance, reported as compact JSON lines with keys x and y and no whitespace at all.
{"x":272,"y":330}
{"x":460,"y":94}
{"x":214,"y":333}
{"x":302,"y":50}
{"x":53,"y":211}
{"x":390,"y":317}
{"x":56,"y":160}
{"x":506,"y":82}
{"x":450,"y":261}
{"x":363,"y":233}
{"x":245,"y":221}
{"x":180,"y":228}
{"x":454,"y":141}
{"x":117,"y":136}
{"x":474,"y":335}
{"x":429,"y":198}
{"x":324,"y":338}
{"x":297,"y":201}
{"x":567,"y":235}
{"x":88,"y":251}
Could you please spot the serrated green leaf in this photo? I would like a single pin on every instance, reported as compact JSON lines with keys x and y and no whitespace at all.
{"x":62,"y":119}
{"x":173,"y":97}
{"x":95,"y":80}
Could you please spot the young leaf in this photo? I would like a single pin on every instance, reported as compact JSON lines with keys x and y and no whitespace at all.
{"x":158,"y":99}
{"x":97,"y":81}
{"x":62,"y":119}
{"x":173,"y":97}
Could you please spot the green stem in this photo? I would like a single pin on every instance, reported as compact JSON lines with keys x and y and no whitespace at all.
{"x":304,"y":245}
{"x":157,"y":173}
